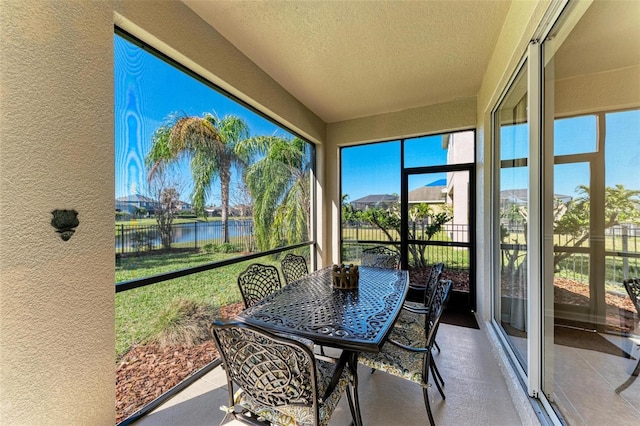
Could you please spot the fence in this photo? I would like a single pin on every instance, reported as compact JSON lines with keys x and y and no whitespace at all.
{"x":133,"y":238}
{"x":364,"y":232}
{"x":358,"y":237}
{"x":621,"y":261}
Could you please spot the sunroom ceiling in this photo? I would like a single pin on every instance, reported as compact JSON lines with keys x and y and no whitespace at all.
{"x":350,"y":59}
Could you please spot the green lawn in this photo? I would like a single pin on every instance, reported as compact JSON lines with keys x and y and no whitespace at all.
{"x":138,"y":310}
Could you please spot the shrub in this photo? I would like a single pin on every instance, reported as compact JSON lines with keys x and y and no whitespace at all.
{"x":183,"y":322}
{"x":221,"y":248}
{"x":226,"y":248}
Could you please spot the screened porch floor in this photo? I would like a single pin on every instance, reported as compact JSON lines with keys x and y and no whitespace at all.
{"x":479,"y":391}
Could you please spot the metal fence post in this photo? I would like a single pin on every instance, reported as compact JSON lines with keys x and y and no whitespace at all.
{"x":625,"y":249}
{"x":195,"y":233}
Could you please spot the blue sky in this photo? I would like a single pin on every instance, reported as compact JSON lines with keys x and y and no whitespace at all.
{"x":375,"y":168}
{"x":148,"y":90}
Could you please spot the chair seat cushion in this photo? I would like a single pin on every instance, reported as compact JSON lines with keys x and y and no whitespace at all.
{"x":286,"y":415}
{"x":409,"y":330}
{"x":408,"y":320}
{"x":396,"y":361}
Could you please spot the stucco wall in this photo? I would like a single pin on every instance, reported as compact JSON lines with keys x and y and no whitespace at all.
{"x":57,"y":351}
{"x":611,"y":90}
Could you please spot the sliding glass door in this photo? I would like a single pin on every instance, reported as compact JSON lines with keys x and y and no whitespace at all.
{"x":511,"y":195}
{"x":591,"y":74}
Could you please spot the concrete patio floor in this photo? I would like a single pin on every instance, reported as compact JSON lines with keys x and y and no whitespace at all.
{"x":480,"y":390}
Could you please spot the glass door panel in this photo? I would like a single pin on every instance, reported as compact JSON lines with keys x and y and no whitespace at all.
{"x":438,"y":229}
{"x":571,"y":257}
{"x":592,"y":142}
{"x":510,"y":229}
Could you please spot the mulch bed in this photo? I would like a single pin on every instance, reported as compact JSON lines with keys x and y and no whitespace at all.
{"x":420,"y":276}
{"x":147,"y":371}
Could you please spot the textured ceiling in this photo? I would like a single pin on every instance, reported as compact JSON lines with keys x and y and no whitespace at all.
{"x":350,"y":59}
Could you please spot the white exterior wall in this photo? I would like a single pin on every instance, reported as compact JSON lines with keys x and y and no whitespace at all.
{"x":461,"y":146}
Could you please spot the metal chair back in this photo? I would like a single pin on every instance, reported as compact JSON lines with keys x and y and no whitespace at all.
{"x":258,"y":281}
{"x":272,"y":370}
{"x":380,"y":257}
{"x":293,"y":267}
{"x":432,"y":283}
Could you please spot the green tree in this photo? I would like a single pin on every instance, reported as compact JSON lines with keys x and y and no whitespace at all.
{"x":140,"y":211}
{"x":388,"y":220}
{"x":572,"y":218}
{"x":279,"y":184}
{"x":213,"y":145}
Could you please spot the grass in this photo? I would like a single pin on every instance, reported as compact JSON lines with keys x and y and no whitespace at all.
{"x":183,"y":322}
{"x":139,"y":311}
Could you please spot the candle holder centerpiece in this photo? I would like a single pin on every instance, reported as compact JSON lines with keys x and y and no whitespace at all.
{"x":345,"y":277}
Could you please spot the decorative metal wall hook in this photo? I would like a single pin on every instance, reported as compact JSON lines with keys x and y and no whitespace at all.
{"x":65,"y":221}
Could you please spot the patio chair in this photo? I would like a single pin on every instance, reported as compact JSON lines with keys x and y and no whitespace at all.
{"x":428,"y":287}
{"x":633,"y":290}
{"x":293,"y":267}
{"x":413,"y":314}
{"x":279,"y":380}
{"x":408,"y":354}
{"x":380,"y":257}
{"x":258,"y":281}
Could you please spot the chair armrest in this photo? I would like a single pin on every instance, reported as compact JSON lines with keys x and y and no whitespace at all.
{"x":422,"y":310}
{"x":418,"y":288}
{"x":408,"y":348}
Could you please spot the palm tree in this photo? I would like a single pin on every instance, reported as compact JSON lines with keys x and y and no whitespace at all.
{"x":279,"y":184}
{"x":213,"y":145}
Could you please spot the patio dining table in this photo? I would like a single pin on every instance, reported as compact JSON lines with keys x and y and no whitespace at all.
{"x":352,"y":320}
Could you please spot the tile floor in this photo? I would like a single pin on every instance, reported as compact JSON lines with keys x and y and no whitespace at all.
{"x":585,"y":383}
{"x":479,"y":391}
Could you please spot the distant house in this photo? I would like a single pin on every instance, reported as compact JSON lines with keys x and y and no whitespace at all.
{"x":212,"y":211}
{"x":428,"y":194}
{"x":520,"y":197}
{"x":239,"y":210}
{"x":182,"y":206}
{"x":381,"y":201}
{"x":242,"y":210}
{"x":132,"y":203}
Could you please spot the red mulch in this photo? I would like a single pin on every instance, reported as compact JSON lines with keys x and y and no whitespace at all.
{"x":147,"y":371}
{"x":620,"y":309}
{"x":420,"y":276}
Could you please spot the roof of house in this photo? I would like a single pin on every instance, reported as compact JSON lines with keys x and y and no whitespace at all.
{"x":427,"y":194}
{"x":522,"y":195}
{"x":135,"y":199}
{"x":377,"y":198}
{"x":440,"y":182}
